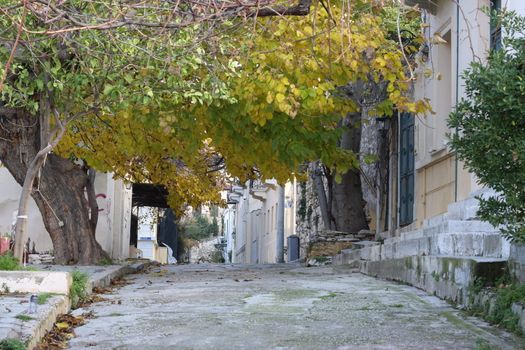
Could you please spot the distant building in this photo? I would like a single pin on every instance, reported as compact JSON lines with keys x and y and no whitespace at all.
{"x":251,"y":221}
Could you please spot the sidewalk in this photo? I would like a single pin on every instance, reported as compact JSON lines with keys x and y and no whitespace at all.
{"x":17,"y":323}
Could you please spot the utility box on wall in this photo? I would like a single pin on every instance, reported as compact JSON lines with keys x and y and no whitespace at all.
{"x":293,"y":248}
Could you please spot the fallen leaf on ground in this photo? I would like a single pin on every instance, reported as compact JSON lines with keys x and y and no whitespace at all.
{"x":62,"y":325}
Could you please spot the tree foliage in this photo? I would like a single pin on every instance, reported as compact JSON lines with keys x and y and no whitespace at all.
{"x":265,"y":100}
{"x":290,"y":85}
{"x":490,"y":129}
{"x":153,"y":97}
{"x":198,"y":228}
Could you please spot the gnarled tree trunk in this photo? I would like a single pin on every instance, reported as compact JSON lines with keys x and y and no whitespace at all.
{"x":341,"y":203}
{"x":59,"y":190}
{"x":348,"y":206}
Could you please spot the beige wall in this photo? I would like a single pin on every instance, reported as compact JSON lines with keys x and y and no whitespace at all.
{"x":440,"y":179}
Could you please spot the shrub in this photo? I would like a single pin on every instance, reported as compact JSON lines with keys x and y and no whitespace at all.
{"x":78,"y":290}
{"x":490,"y":129}
{"x":8,"y":262}
{"x":11,"y":344}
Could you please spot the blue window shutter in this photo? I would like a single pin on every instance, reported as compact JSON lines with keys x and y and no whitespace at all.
{"x":406,"y":169}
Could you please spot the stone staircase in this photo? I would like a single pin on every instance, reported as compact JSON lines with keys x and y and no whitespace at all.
{"x":444,"y":257}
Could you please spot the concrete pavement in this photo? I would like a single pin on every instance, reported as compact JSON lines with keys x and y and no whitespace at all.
{"x":278,"y":307}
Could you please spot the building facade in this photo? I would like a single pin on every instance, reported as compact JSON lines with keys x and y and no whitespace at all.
{"x":113,"y":229}
{"x":251,"y":221}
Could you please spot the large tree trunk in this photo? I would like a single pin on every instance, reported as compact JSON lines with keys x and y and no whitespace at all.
{"x":59,"y":190}
{"x":347,"y":197}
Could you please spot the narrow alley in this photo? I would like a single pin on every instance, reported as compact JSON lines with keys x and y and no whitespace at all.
{"x":277,"y":307}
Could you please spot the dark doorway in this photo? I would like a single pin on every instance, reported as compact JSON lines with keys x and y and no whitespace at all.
{"x":167,"y":232}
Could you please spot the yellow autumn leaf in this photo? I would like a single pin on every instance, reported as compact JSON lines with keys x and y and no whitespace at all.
{"x":62,"y":325}
{"x":269,"y":97}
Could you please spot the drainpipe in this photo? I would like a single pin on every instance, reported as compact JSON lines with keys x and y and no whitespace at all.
{"x":457,"y":100}
{"x":280,"y":227}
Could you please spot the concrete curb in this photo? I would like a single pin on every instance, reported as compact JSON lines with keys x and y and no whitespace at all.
{"x":32,"y":332}
{"x":36,"y":281}
{"x":103,"y":279}
{"x":61,"y":306}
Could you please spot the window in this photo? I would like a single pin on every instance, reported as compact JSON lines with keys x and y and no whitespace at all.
{"x":495,"y":27}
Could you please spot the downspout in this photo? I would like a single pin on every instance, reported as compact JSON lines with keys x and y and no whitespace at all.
{"x":280,"y":227}
{"x":456,"y":171}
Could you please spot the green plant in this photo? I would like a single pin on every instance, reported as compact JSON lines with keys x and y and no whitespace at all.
{"x":8,"y":262}
{"x":44,"y":297}
{"x":217,"y":257}
{"x":11,"y":344}
{"x":397,"y":305}
{"x":435,"y":275}
{"x":301,"y":211}
{"x":105,"y":262}
{"x":482,"y":345}
{"x":475,"y":287}
{"x":320,"y":259}
{"x":199,"y":228}
{"x":328,"y":296}
{"x":24,"y":318}
{"x":490,"y":129}
{"x":502,"y":314}
{"x":5,"y":289}
{"x":78,"y":290}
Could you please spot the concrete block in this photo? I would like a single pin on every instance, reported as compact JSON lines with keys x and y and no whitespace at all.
{"x":463,"y":210}
{"x":424,"y":246}
{"x":36,"y":281}
{"x":517,"y":253}
{"x":351,"y":254}
{"x":447,"y":277}
{"x":493,"y":245}
{"x":469,"y":226}
{"x":362,"y":244}
{"x":365,"y":253}
{"x":387,"y":251}
{"x":407,"y":248}
{"x":375,"y":252}
{"x":436,"y":220}
{"x":445,"y":245}
{"x":465,"y":244}
{"x":337,"y":259}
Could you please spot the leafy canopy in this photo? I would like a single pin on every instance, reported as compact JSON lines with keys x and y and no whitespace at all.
{"x":288,"y":107}
{"x":490,"y":126}
{"x":166,"y":105}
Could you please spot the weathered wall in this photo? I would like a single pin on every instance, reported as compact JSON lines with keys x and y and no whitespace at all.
{"x":441,"y":180}
{"x":309,"y":221}
{"x":9,"y":197}
{"x":113,"y":198}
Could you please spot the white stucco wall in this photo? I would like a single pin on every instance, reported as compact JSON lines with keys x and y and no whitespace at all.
{"x":9,"y":198}
{"x":113,"y":198}
{"x":256,"y":223}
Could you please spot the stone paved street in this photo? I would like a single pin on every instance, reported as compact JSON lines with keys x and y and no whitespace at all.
{"x":277,"y":307}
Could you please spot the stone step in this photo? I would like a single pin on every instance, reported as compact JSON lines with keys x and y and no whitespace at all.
{"x":446,"y":277}
{"x":436,"y":220}
{"x":454,"y":244}
{"x":463,"y":210}
{"x":348,"y":257}
{"x":447,"y":227}
{"x":452,"y":226}
{"x":362,"y":244}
